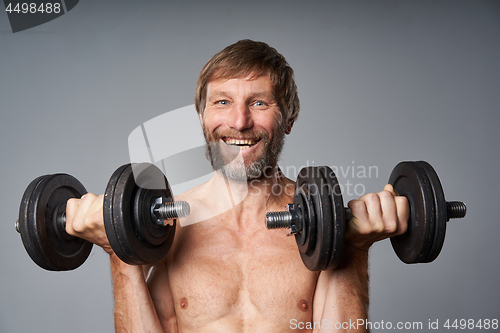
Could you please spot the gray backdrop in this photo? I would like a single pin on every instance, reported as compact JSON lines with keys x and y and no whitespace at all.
{"x":379,"y":82}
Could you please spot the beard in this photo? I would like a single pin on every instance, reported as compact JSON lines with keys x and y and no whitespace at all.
{"x":230,"y":161}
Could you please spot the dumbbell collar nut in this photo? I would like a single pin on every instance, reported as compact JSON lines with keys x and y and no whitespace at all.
{"x":289,"y":219}
{"x":294,"y":221}
{"x":156,"y":211}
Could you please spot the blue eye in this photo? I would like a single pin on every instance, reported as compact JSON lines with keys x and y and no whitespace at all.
{"x":259,"y":103}
{"x":223,"y":102}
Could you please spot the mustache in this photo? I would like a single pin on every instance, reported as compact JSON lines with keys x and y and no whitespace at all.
{"x":242,"y":135}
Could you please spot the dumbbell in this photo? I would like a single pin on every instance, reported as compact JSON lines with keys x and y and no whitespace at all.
{"x":137,"y":200}
{"x":317,"y":217}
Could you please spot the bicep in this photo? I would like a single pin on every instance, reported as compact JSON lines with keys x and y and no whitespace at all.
{"x":340,"y":297}
{"x":320,"y":296}
{"x":161,"y":294}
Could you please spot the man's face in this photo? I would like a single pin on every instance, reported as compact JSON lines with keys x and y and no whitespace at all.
{"x":242,"y":116}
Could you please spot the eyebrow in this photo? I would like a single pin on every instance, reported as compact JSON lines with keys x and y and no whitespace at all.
{"x":218,"y":94}
{"x":257,"y":94}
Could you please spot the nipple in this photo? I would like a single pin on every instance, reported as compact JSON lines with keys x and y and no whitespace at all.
{"x":184,"y":303}
{"x":303,"y":305}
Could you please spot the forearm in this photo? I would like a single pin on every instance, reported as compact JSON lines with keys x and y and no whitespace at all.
{"x":134,"y":307}
{"x":346,"y":298}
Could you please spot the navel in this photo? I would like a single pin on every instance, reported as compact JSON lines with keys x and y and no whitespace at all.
{"x":184,"y":303}
{"x":303,"y":305}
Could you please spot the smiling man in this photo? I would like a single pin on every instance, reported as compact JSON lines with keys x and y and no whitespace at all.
{"x":229,"y":273}
{"x":227,"y":122}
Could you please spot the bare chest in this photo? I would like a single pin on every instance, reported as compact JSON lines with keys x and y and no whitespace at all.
{"x":222,"y":274}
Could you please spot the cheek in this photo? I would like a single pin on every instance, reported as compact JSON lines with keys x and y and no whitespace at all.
{"x":211,"y":121}
{"x":271,"y":122}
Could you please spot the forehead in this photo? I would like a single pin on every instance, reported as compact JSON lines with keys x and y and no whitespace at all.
{"x":246,"y":85}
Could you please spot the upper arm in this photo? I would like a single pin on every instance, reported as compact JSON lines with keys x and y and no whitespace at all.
{"x":159,"y":288}
{"x":341,"y":297}
{"x":320,"y":297}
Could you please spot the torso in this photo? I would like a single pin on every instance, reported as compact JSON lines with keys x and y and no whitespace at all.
{"x":230,"y":274}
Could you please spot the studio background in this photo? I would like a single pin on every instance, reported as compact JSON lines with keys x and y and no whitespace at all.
{"x":379,"y":82}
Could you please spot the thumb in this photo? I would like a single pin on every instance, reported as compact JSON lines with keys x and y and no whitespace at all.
{"x":390,"y":188}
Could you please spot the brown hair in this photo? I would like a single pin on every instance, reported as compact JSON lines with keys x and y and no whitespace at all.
{"x":248,"y":57}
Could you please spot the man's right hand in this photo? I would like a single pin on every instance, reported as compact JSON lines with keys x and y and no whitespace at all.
{"x":84,"y":219}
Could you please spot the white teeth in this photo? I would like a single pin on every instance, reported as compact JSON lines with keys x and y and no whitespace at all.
{"x":241,"y":144}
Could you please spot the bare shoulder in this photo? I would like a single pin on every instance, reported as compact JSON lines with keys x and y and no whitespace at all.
{"x":196,"y":193}
{"x":287,"y":190}
{"x":198,"y":199}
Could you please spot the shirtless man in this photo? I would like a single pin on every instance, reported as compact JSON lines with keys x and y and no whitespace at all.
{"x":229,"y":273}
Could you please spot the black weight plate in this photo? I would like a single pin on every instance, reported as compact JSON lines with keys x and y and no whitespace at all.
{"x":108,"y":215}
{"x":303,"y":203}
{"x":27,"y":228}
{"x":409,"y":180}
{"x":44,"y":244}
{"x":440,"y":211}
{"x":144,"y":224}
{"x":339,"y":221}
{"x":314,"y":183}
{"x":126,"y":223}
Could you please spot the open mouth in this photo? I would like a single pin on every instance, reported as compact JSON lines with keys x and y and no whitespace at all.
{"x":241,"y":143}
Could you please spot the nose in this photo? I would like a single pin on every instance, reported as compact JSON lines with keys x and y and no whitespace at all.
{"x":240,"y":117}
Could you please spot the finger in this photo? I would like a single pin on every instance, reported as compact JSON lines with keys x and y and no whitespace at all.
{"x":82,"y":213}
{"x":374,"y":207}
{"x":86,"y":202}
{"x":71,"y":208}
{"x":403,"y":211}
{"x":391,"y":189}
{"x":389,"y":211}
{"x":360,"y":214}
{"x":97,"y":203}
{"x":96,"y":212}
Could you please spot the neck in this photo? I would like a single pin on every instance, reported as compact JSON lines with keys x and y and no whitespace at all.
{"x":269,"y":191}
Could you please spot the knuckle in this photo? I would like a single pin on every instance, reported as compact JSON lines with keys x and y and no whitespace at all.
{"x":403,"y":227}
{"x":372,"y":197}
{"x":401,"y":201}
{"x":97,"y":219}
{"x":69,"y":228}
{"x":72,"y":203}
{"x":92,"y":221}
{"x":391,"y":225}
{"x":386,"y":196}
{"x":88,"y":197}
{"x":364,"y":229}
{"x":357,"y":205}
{"x":78,"y":226}
{"x":378,"y":228}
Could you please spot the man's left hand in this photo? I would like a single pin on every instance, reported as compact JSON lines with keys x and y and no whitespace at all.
{"x":377,"y":216}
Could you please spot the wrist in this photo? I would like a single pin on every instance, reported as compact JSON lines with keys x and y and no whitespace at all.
{"x":353,"y":257}
{"x":118,"y":265}
{"x":122,"y":270}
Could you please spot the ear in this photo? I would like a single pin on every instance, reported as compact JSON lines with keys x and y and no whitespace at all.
{"x":288,"y":129}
